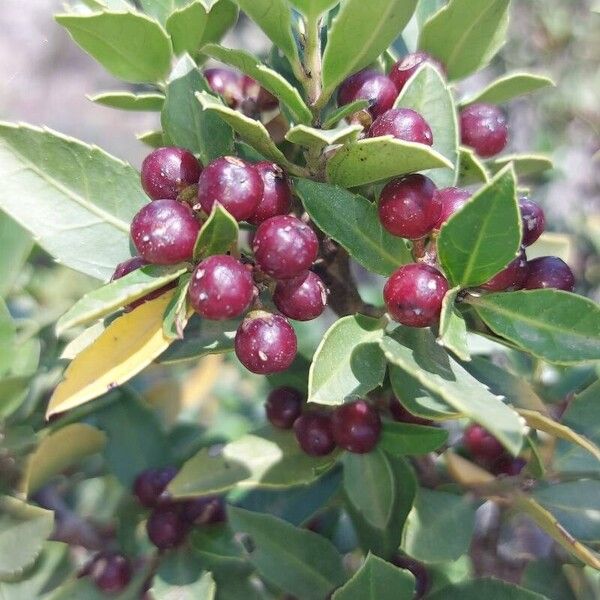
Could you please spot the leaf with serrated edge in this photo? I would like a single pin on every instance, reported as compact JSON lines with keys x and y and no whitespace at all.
{"x":405,"y":439}
{"x":508,"y":87}
{"x":523,"y":164}
{"x":453,"y":328}
{"x":129,"y":101}
{"x":310,"y":137}
{"x":218,"y":234}
{"x":470,"y":169}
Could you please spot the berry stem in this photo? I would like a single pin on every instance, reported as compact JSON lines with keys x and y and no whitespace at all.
{"x":312,"y":66}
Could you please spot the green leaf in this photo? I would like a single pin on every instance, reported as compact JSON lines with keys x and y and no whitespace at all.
{"x":130,"y":46}
{"x":545,"y":576}
{"x":186,"y":27}
{"x":298,"y":561}
{"x":342,"y":112}
{"x":440,"y":527}
{"x":427,"y":93}
{"x":23,"y":530}
{"x":378,"y":159}
{"x":19,"y":241}
{"x":556,"y":326}
{"x":218,"y":234}
{"x":161,"y":9}
{"x":313,"y":8}
{"x":453,"y":327}
{"x":154,"y":139}
{"x":415,"y":351}
{"x":184,"y":122}
{"x":121,"y":292}
{"x":76,"y":200}
{"x":490,"y":589}
{"x":129,"y":101}
{"x":348,"y":362}
{"x":180,"y":577}
{"x":484,"y":236}
{"x":404,"y":439}
{"x":466,"y":36}
{"x":378,"y":580}
{"x":524,"y":165}
{"x":176,"y":313}
{"x":353,"y":222}
{"x":360,"y":32}
{"x":222,"y":17}
{"x":508,"y":87}
{"x":267,"y":458}
{"x":310,"y":137}
{"x":471,"y":169}
{"x":267,"y":78}
{"x":370,"y":486}
{"x":8,"y":332}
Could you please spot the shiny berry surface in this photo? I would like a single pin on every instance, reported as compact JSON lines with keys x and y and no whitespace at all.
{"x":404,"y":124}
{"x":414,"y":294}
{"x":314,"y":433}
{"x":356,"y":427}
{"x":302,"y":298}
{"x":283,"y":407}
{"x":534,"y":220}
{"x":204,"y":511}
{"x":165,"y":231}
{"x":265,"y":343}
{"x":277,"y":194}
{"x":378,"y":89}
{"x":232,"y":182}
{"x":451,"y":200}
{"x":226,"y":83}
{"x":484,"y":128}
{"x":149,"y":486}
{"x":481,"y":444}
{"x":166,"y":527}
{"x":168,"y":171}
{"x":409,"y":207}
{"x":402,"y":415}
{"x":284,"y":247}
{"x":511,"y":278}
{"x":549,"y":272}
{"x":111,"y":573}
{"x":221,"y":287}
{"x":407,"y":66}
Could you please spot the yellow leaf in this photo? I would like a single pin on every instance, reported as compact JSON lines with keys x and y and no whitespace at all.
{"x":126,"y":346}
{"x":58,"y":451}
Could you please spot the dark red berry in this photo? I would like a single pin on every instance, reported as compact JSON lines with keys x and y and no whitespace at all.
{"x":534,"y":220}
{"x":277,"y":194}
{"x":283,"y":407}
{"x":302,"y":298}
{"x":409,"y":207}
{"x":165,"y":231}
{"x":232,"y":182}
{"x":484,"y":128}
{"x":252,"y":90}
{"x":111,"y":573}
{"x":404,"y":124}
{"x":314,"y":433}
{"x":511,"y":278}
{"x":549,"y":272}
{"x":204,"y":511}
{"x":482,"y":445}
{"x":168,"y":171}
{"x":451,"y":200}
{"x":150,"y":485}
{"x":221,"y":287}
{"x":226,"y":83}
{"x":166,"y":527}
{"x":356,"y":427}
{"x":265,"y":343}
{"x":284,"y":247}
{"x":507,"y":465}
{"x":400,"y":414}
{"x":414,"y":294}
{"x":407,"y":66}
{"x":369,"y":85}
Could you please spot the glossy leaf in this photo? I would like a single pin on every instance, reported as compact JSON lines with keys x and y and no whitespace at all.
{"x":334,"y":117}
{"x":177,"y":312}
{"x":405,"y":439}
{"x":524,"y":165}
{"x":20,"y":243}
{"x":490,"y":589}
{"x":129,"y":101}
{"x":484,"y":236}
{"x":353,"y":222}
{"x":508,"y":87}
{"x":453,"y":328}
{"x":471,"y":169}
{"x":310,"y":137}
{"x":218,"y":234}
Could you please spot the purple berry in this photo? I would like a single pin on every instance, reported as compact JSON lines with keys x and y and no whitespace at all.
{"x":509,"y":466}
{"x":150,"y":485}
{"x":277,"y":194}
{"x":232,"y":182}
{"x":407,"y":66}
{"x":252,"y":90}
{"x":166,"y":527}
{"x":451,"y":200}
{"x":284,"y":247}
{"x":204,"y":511}
{"x":549,"y":272}
{"x":534,"y":220}
{"x":111,"y":573}
{"x":221,"y":288}
{"x":226,"y":83}
{"x":401,"y":415}
{"x":283,"y":407}
{"x":369,"y":85}
{"x":482,"y":445}
{"x":302,"y":298}
{"x":409,"y":207}
{"x":404,"y":124}
{"x":356,"y":427}
{"x":165,"y":231}
{"x":511,"y":278}
{"x":265,"y":343}
{"x":314,"y":433}
{"x":414,"y":294}
{"x":168,"y":171}
{"x":484,"y":128}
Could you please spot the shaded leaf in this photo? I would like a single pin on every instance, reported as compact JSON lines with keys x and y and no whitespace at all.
{"x":453,"y":327}
{"x":490,"y":589}
{"x":177,"y":312}
{"x":19,"y":241}
{"x":405,"y":439}
{"x":129,"y":101}
{"x":523,"y":164}
{"x":334,"y":117}
{"x":471,"y":169}
{"x":180,"y":577}
{"x":218,"y":234}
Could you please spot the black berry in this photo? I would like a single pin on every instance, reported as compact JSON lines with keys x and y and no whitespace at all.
{"x":204,"y":511}
{"x":110,"y":572}
{"x":314,"y":433}
{"x":283,"y":407}
{"x":150,"y":485}
{"x":166,"y":527}
{"x":549,"y":272}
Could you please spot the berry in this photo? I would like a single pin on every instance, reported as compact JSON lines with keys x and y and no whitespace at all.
{"x":265,"y":343}
{"x":414,"y":294}
{"x":369,"y":85}
{"x":507,"y":465}
{"x":534,"y":220}
{"x":221,"y":287}
{"x":149,"y":486}
{"x":302,"y":298}
{"x":226,"y":83}
{"x":204,"y":511}
{"x":111,"y":573}
{"x":482,"y":445}
{"x":277,"y":194}
{"x":511,"y":278}
{"x":484,"y":128}
{"x":284,"y":247}
{"x":451,"y":200}
{"x":168,"y":171}
{"x":409,"y":207}
{"x":356,"y":427}
{"x":407,"y":66}
{"x":313,"y":431}
{"x":549,"y":272}
{"x":283,"y":407}
{"x":165,"y":231}
{"x":401,"y":415}
{"x":166,"y":527}
{"x":232,"y":182}
{"x":404,"y":124}
{"x":264,"y":100}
